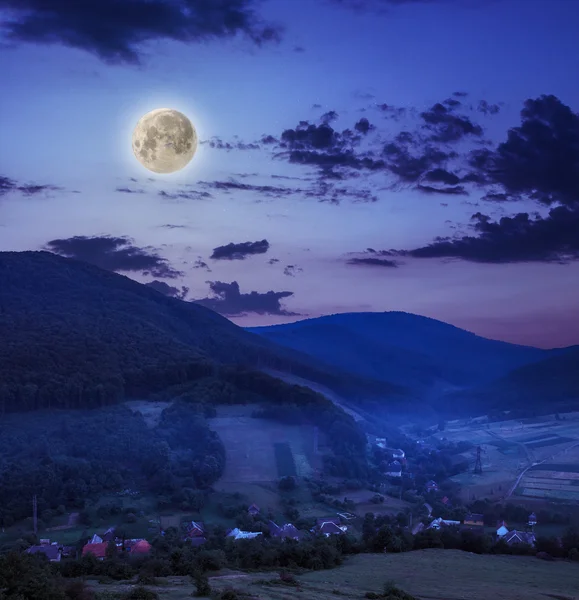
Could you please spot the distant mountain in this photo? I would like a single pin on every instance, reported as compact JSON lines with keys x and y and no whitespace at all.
{"x":402,"y":348}
{"x":74,"y":335}
{"x":552,"y":382}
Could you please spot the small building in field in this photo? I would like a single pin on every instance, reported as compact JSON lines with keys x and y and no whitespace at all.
{"x":515,"y":537}
{"x":237,"y":534}
{"x":441,"y":523}
{"x":51,"y":551}
{"x":431,"y":486}
{"x":253,"y":510}
{"x":474,"y":520}
{"x":330,"y":526}
{"x":287,"y":531}
{"x":398,"y":453}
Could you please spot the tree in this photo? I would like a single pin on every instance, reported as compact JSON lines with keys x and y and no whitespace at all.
{"x":201,"y":582}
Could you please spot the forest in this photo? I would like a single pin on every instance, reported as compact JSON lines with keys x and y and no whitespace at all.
{"x":67,"y":458}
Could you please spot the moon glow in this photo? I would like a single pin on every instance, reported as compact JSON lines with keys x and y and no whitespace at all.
{"x":164,"y":140}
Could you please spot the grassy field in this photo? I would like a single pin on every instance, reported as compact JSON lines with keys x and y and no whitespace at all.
{"x":250,"y":446}
{"x":427,"y":574}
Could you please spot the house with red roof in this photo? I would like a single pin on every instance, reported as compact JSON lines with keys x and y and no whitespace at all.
{"x":99,"y":550}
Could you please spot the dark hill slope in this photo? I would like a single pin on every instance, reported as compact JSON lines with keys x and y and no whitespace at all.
{"x":552,"y":384}
{"x":74,"y":335}
{"x":402,"y":348}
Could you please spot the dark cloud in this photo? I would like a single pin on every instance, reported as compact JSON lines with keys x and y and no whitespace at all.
{"x":409,"y":164}
{"x":116,"y":30}
{"x":446,"y":126}
{"x":292,"y":270}
{"x":373,"y":262}
{"x":363,"y":126}
{"x":172,"y":226}
{"x":201,"y":264}
{"x":239,"y":251}
{"x":168,"y":290}
{"x":329,"y":117}
{"x":299,"y":49}
{"x":273,"y":261}
{"x":270,"y":191}
{"x":8,"y":186}
{"x":540,"y":158}
{"x":488,"y":109}
{"x":126,"y":190}
{"x":185,"y":195}
{"x":392,"y":112}
{"x":114,"y":254}
{"x":228,"y":300}
{"x":383,"y":5}
{"x":520,"y":238}
{"x":455,"y":190}
{"x":218,"y":144}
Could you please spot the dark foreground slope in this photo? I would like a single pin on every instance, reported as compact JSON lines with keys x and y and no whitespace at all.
{"x":402,"y":348}
{"x":73,"y":335}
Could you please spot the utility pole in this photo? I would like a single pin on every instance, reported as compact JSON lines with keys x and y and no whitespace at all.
{"x":35,"y":514}
{"x":478,"y":463}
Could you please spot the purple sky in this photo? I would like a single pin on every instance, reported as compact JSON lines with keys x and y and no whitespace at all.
{"x":453,"y":76}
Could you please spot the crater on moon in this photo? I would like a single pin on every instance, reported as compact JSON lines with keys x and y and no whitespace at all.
{"x":164,"y":140}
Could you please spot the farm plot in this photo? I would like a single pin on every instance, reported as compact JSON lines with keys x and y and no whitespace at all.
{"x":250,"y":445}
{"x":556,"y":482}
{"x":286,"y":466}
{"x":551,"y":441}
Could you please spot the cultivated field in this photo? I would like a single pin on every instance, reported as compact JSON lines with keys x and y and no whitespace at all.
{"x":427,"y":574}
{"x":259,"y":450}
{"x":510,"y":447}
{"x":553,"y":480}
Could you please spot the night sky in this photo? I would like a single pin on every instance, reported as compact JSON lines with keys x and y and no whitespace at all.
{"x":355,"y":155}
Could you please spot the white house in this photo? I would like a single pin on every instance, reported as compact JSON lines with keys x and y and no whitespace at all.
{"x":237,"y":534}
{"x":440,"y":522}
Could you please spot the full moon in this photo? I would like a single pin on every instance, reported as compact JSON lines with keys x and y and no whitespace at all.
{"x":164,"y":140}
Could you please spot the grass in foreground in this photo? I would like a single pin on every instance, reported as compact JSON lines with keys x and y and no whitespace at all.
{"x":426,"y":574}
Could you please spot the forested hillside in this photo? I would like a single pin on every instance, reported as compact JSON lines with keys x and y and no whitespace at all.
{"x":76,"y":336}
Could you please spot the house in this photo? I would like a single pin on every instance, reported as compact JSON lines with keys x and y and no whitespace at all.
{"x":253,"y":510}
{"x":237,"y":534}
{"x":431,"y":486}
{"x":195,"y":529}
{"x":417,"y":528}
{"x":330,"y":526}
{"x":398,"y":453}
{"x":446,"y":502}
{"x":532,"y":520}
{"x":51,"y":551}
{"x":439,"y":523}
{"x":137,"y":546}
{"x":99,"y":549}
{"x":394,"y":469}
{"x":502,"y":529}
{"x":287,"y":531}
{"x":96,"y":539}
{"x":474,"y":520}
{"x":108,"y":535}
{"x":519,"y":537}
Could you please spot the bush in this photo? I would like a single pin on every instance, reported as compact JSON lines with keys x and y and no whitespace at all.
{"x":141,"y":593}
